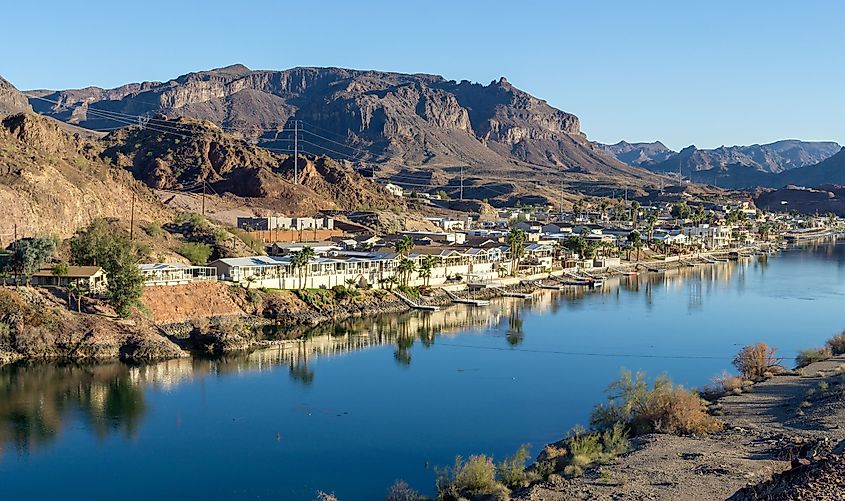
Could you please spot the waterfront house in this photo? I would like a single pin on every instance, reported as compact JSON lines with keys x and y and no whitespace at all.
{"x":90,"y":278}
{"x":175,"y":273}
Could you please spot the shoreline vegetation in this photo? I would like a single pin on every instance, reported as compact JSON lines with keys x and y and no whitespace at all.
{"x":216,"y":317}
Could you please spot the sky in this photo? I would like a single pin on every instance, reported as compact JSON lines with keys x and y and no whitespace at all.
{"x":707,"y":73}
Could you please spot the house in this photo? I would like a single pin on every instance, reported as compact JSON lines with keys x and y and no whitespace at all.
{"x":529,"y":226}
{"x":394,"y":189}
{"x":89,"y":278}
{"x":712,"y":237}
{"x":285,"y":223}
{"x":556,"y":228}
{"x":175,"y":273}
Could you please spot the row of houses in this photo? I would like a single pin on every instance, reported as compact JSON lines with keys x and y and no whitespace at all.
{"x":378,"y":268}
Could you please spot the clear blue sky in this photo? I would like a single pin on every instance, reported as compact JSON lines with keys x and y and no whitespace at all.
{"x":705,"y":73}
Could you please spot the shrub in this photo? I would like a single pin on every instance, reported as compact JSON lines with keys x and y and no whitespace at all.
{"x":581,"y":449}
{"x":665,"y":408}
{"x":511,"y":472}
{"x":837,"y":344}
{"x":475,"y":477}
{"x":197,"y":254}
{"x":724,"y":384}
{"x":812,"y":355}
{"x":401,"y":491}
{"x":254,"y":244}
{"x":153,"y":229}
{"x":755,"y":360}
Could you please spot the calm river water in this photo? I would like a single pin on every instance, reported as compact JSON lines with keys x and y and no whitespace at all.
{"x":363,"y":403}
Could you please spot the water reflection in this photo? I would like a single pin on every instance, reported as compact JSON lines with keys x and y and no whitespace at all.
{"x":38,"y":401}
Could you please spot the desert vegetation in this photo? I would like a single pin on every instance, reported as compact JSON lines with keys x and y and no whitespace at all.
{"x":755,"y":361}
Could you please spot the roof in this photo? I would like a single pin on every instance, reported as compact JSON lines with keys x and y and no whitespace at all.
{"x":166,"y":266}
{"x":72,"y":272}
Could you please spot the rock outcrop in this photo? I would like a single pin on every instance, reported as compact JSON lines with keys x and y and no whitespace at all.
{"x":368,"y":116}
{"x":12,"y":100}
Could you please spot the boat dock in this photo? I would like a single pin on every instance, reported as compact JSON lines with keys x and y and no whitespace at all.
{"x":415,"y":305}
{"x":460,"y":300}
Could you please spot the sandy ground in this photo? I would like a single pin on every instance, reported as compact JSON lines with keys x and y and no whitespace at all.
{"x":766,"y":428}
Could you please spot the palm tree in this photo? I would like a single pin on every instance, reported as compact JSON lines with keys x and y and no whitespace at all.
{"x":249,"y":281}
{"x":350,"y":283}
{"x":426,"y":266}
{"x":297,"y":261}
{"x":308,"y":255}
{"x":652,"y":220}
{"x":404,"y":245}
{"x":516,"y":242}
{"x":636,"y":241}
{"x":405,"y":268}
{"x":635,"y":211}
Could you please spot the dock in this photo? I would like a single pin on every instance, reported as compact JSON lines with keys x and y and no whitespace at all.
{"x":460,"y":300}
{"x":415,"y":305}
{"x":519,"y":295}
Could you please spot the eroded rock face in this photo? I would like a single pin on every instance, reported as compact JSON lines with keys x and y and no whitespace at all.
{"x":380,"y":115}
{"x":11,"y":99}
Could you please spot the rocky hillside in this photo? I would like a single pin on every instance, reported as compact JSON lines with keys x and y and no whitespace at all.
{"x":11,"y":100}
{"x":424,"y":123}
{"x":53,"y":181}
{"x":637,"y":154}
{"x":183,"y":153}
{"x":830,"y":171}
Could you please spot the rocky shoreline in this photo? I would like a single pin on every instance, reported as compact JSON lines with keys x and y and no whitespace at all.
{"x":225,"y":318}
{"x":784,"y":439}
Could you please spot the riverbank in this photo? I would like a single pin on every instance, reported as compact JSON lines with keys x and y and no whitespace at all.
{"x":782,"y":426}
{"x":218,"y":317}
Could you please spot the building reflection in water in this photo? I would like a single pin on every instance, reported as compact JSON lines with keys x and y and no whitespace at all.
{"x":37,"y":400}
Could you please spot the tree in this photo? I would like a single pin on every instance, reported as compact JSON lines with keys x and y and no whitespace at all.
{"x":576,"y":243}
{"x":651,"y":221}
{"x":516,"y":243}
{"x":681,"y":211}
{"x":636,"y":241}
{"x":61,"y":270}
{"x":308,"y":255}
{"x":30,"y":255}
{"x":405,"y":268}
{"x":404,"y":245}
{"x":635,"y":211}
{"x":426,"y":266}
{"x":100,"y":245}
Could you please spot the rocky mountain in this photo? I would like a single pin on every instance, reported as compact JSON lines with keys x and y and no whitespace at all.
{"x":772,"y":158}
{"x":405,"y":123}
{"x":637,"y":154}
{"x":829,"y":171}
{"x":11,"y":99}
{"x":54,"y":182}
{"x":184,"y":153}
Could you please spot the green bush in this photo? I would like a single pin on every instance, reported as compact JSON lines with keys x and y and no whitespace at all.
{"x":153,"y":229}
{"x":511,"y":472}
{"x":663,"y":408}
{"x":411,"y":292}
{"x":473,"y":478}
{"x":401,"y":491}
{"x":812,"y":355}
{"x":197,"y":254}
{"x":837,"y":344}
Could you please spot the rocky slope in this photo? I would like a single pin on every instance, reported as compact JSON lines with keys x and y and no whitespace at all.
{"x":829,"y":171}
{"x":183,"y":153}
{"x":638,"y":154}
{"x":421,"y":121}
{"x":53,"y":181}
{"x":11,"y":99}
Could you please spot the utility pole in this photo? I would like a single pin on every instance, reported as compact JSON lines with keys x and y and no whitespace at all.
{"x":203,"y":196}
{"x":132,"y":219}
{"x":560,"y":202}
{"x":462,"y":183}
{"x":296,"y":152}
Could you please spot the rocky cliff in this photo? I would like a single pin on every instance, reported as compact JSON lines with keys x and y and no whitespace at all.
{"x":11,"y":100}
{"x":421,"y":122}
{"x":53,"y":182}
{"x":637,"y":154}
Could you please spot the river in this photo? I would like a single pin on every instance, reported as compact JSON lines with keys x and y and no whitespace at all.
{"x":363,"y":403}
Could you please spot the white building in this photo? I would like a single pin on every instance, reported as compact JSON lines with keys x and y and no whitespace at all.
{"x":175,"y":273}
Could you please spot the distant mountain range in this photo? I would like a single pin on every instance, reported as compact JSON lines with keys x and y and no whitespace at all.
{"x":417,"y":128}
{"x":773,"y":165}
